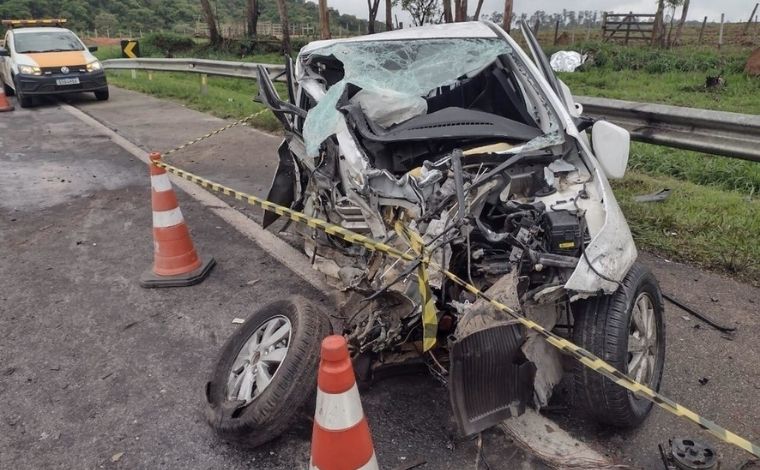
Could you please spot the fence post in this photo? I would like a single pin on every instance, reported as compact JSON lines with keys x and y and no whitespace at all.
{"x":702,"y":31}
{"x":556,"y":32}
{"x":720,"y":35}
{"x":204,"y":84}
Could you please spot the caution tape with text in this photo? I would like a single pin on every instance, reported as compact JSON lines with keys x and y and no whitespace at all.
{"x":583,"y":356}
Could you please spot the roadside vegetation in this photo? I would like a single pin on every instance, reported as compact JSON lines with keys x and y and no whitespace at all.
{"x":711,"y":219}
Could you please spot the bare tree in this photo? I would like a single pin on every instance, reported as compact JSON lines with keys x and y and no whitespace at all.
{"x":447,"y":16}
{"x":213,"y":29}
{"x":388,"y":15}
{"x":477,"y":10}
{"x":507,"y":18}
{"x":373,"y":6}
{"x":421,"y":11}
{"x":282,"y":7}
{"x":252,"y":17}
{"x":324,"y":20}
{"x":679,"y":29}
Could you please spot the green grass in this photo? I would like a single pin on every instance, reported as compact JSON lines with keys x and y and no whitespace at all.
{"x":226,"y":97}
{"x":704,"y":226}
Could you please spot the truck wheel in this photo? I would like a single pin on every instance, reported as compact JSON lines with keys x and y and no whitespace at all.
{"x":8,"y":90}
{"x":266,"y":372}
{"x":626,"y":329}
{"x":101,"y":95}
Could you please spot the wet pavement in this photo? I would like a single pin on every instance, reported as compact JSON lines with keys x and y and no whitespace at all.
{"x":94,"y":366}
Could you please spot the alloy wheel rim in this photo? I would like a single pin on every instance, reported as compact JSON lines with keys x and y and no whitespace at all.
{"x":259,"y":360}
{"x":643,"y":343}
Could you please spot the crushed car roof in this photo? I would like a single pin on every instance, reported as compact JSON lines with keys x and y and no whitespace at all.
{"x":470,"y":29}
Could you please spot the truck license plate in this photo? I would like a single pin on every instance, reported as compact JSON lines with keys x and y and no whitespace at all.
{"x":67,"y":81}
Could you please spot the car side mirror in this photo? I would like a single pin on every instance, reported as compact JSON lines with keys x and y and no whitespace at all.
{"x":93,"y":48}
{"x":612,"y":145}
{"x":4,"y":52}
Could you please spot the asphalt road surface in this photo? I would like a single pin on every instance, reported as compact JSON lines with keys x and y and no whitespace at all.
{"x":96,"y":372}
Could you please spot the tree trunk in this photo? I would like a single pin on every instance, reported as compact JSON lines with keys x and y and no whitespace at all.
{"x":252,"y":17}
{"x":477,"y":10}
{"x":213,"y":30}
{"x":670,"y":30}
{"x":447,"y":17}
{"x":507,"y":20}
{"x":658,"y":34}
{"x":282,"y":7}
{"x":372,"y":6}
{"x":679,"y":29}
{"x":460,"y":10}
{"x":324,"y":20}
{"x":388,"y":15}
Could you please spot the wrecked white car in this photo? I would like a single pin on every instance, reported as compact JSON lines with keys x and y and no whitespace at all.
{"x":456,"y":133}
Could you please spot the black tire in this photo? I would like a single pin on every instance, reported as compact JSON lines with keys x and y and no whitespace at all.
{"x":282,"y":402}
{"x":23,"y":101}
{"x":602,"y":325}
{"x":9,"y":91}
{"x":102,"y":95}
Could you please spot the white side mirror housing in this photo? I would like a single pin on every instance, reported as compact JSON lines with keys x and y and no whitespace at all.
{"x":612,"y":144}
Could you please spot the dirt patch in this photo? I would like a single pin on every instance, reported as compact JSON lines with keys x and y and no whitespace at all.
{"x":753,"y":64}
{"x":104,"y":41}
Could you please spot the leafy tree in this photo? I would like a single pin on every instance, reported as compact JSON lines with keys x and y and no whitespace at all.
{"x":422,"y":11}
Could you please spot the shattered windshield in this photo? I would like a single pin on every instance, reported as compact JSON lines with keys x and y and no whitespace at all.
{"x":405,"y":71}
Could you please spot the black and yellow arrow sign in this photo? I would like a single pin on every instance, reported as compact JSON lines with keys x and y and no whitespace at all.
{"x":130,"y":48}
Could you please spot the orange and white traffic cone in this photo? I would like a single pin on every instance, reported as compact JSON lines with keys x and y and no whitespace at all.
{"x":175,"y":261}
{"x":5,"y":105}
{"x":341,"y":439}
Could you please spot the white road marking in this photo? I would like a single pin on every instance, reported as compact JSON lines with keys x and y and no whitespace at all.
{"x":275,"y":247}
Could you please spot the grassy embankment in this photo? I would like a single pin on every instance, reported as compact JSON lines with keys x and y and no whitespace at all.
{"x":712,"y":219}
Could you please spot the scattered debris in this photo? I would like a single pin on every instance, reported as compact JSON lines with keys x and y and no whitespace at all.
{"x":657,"y":196}
{"x":704,"y":380}
{"x":688,"y":454}
{"x":116,"y":457}
{"x":567,"y":61}
{"x":704,"y":318}
{"x":715,"y":82}
{"x":9,"y":371}
{"x":238,"y":321}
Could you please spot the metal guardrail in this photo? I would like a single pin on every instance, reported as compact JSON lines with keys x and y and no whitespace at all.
{"x":714,"y":132}
{"x":219,"y":68}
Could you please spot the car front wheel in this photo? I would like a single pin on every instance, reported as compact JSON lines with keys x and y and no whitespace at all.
{"x":101,"y":95}
{"x":626,"y":329}
{"x":266,"y":372}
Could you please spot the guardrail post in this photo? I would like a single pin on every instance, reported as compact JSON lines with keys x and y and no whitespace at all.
{"x":150,"y":75}
{"x":204,"y":84}
{"x":134,"y":74}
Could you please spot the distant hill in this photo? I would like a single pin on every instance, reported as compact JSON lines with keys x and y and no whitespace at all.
{"x":147,"y":15}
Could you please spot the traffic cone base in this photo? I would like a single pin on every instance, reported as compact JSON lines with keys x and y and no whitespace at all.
{"x":176,"y":262}
{"x":5,"y":105}
{"x":149,"y":279}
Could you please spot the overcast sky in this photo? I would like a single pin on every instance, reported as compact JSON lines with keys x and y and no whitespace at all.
{"x":735,"y":10}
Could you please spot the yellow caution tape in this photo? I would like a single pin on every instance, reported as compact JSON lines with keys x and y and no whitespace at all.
{"x":429,"y":315}
{"x":215,"y":132}
{"x":582,"y":355}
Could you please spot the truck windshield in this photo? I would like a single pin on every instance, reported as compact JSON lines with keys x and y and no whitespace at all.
{"x":52,"y":41}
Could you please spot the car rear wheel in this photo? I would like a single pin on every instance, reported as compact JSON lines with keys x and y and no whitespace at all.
{"x":626,"y":329}
{"x":266,"y":372}
{"x":101,"y":95}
